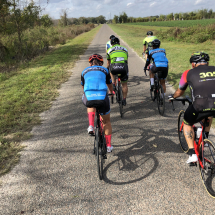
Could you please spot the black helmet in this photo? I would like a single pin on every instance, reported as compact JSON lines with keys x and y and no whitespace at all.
{"x":112,"y":36}
{"x":199,"y":57}
{"x":149,"y":33}
{"x":156,"y":43}
{"x":114,"y":41}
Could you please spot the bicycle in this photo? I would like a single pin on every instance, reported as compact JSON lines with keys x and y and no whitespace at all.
{"x":100,"y":148}
{"x":204,"y":148}
{"x":158,"y":93}
{"x":119,"y":95}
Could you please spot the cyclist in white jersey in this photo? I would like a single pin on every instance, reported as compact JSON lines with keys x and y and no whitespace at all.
{"x":108,"y":44}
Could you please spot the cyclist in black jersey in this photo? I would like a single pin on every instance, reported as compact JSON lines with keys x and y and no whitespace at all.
{"x":201,"y":80}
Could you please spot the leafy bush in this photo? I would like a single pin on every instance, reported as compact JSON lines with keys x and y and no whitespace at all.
{"x":35,"y":41}
{"x":195,"y":34}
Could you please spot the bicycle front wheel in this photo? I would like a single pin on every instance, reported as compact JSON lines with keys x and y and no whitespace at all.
{"x":99,"y":156}
{"x":120,"y":100}
{"x":181,"y":136}
{"x":160,"y":100}
{"x":207,"y":170}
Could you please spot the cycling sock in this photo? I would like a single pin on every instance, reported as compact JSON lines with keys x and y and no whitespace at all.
{"x":91,"y":117}
{"x":191,"y":152}
{"x":206,"y":134}
{"x":152,"y":81}
{"x":108,"y":140}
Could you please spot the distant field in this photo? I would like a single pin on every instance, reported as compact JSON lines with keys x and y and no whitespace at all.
{"x":177,"y":23}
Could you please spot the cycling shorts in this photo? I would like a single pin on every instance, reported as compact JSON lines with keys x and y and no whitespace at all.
{"x":191,"y":116}
{"x":120,"y":69}
{"x":162,"y":71}
{"x":102,"y":105}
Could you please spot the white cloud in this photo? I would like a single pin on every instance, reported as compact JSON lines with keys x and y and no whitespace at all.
{"x":153,"y":4}
{"x":199,"y":2}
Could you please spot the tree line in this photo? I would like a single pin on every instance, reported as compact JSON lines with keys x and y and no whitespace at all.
{"x":194,"y":15}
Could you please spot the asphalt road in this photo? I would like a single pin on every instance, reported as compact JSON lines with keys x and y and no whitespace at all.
{"x":145,"y":174}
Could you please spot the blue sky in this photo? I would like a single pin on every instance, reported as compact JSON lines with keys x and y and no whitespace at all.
{"x":109,"y":8}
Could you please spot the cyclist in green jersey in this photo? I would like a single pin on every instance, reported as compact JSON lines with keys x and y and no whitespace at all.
{"x":108,"y":44}
{"x":117,"y":63}
{"x":147,"y":41}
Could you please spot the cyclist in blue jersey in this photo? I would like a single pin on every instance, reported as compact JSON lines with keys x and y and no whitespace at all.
{"x":159,"y":65}
{"x":95,"y":81}
{"x":108,"y":44}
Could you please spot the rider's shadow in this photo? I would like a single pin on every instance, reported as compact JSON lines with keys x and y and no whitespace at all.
{"x":137,"y":161}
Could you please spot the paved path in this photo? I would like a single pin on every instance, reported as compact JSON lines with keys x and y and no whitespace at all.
{"x":145,"y":174}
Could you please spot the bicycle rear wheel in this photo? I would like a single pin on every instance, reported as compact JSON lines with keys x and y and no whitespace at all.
{"x":152,"y":93}
{"x":181,"y":136}
{"x":120,"y":100}
{"x":207,"y":157}
{"x":160,"y":100}
{"x":99,"y":156}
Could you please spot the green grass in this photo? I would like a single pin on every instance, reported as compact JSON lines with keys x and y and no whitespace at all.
{"x":28,"y":91}
{"x":177,"y":23}
{"x":178,"y":53}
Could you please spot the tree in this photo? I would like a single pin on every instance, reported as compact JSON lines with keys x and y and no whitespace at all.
{"x":162,"y":17}
{"x":169,"y":16}
{"x":63,"y":19}
{"x":101,"y":19}
{"x":123,"y":17}
{"x":46,"y":21}
{"x":115,"y":19}
{"x":176,"y":16}
{"x":180,"y":16}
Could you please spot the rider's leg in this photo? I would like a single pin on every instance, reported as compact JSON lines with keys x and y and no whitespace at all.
{"x":207,"y":129}
{"x":124,"y":89}
{"x":189,"y":135}
{"x":162,"y":82}
{"x":91,"y":115}
{"x":113,"y":78}
{"x":151,"y":75}
{"x":190,"y":117}
{"x":107,"y":128}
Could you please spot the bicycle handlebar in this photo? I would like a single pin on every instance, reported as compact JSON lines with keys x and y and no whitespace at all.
{"x":183,"y":100}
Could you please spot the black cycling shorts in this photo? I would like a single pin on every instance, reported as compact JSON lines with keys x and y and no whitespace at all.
{"x":102,"y":105}
{"x":120,"y":69}
{"x":162,"y":71}
{"x":191,"y":116}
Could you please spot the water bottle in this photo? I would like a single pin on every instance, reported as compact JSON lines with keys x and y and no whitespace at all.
{"x":198,"y":132}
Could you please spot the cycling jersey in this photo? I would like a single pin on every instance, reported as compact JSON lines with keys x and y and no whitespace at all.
{"x":148,"y":40}
{"x":158,"y":56}
{"x":108,"y":45}
{"x":201,"y":81}
{"x":94,"y":80}
{"x":117,"y":54}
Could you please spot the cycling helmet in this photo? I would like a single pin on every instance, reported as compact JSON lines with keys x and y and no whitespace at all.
{"x":149,"y":33}
{"x":114,"y":41}
{"x":156,"y":43}
{"x":96,"y":56}
{"x":112,"y":36}
{"x":199,"y":57}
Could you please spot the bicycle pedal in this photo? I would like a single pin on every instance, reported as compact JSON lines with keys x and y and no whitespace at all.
{"x":193,"y":164}
{"x":105,"y":156}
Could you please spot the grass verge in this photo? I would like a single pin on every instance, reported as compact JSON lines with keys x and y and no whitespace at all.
{"x":29,"y":91}
{"x":178,"y":53}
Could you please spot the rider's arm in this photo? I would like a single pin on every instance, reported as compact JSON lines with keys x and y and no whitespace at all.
{"x":82,"y":81}
{"x":182,"y":85}
{"x":178,"y":93}
{"x":144,"y":48}
{"x":148,"y":61}
{"x":108,"y":64}
{"x":109,"y":82}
